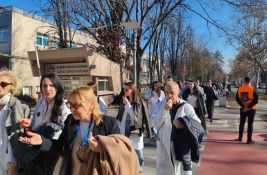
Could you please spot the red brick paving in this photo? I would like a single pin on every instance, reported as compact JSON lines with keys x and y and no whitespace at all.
{"x":225,"y":156}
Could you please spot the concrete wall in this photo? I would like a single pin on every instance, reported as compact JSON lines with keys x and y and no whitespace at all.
{"x":23,"y":38}
{"x":25,"y":29}
{"x":106,"y":67}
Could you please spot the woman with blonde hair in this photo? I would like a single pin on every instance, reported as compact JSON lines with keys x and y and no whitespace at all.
{"x":85,"y":122}
{"x":11,"y":111}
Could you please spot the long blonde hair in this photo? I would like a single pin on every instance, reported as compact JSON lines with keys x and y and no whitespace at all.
{"x":85,"y":94}
{"x":13,"y":80}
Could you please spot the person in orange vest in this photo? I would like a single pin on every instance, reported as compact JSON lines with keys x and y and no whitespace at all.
{"x":247,"y":98}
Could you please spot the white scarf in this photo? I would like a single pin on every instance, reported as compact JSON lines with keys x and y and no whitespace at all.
{"x":5,"y":99}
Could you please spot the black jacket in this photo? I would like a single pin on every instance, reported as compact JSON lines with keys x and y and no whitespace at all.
{"x":187,"y":139}
{"x":107,"y":126}
{"x":44,"y":158}
{"x":141,"y":119}
{"x":64,"y":144}
{"x":200,"y":102}
{"x":210,"y":94}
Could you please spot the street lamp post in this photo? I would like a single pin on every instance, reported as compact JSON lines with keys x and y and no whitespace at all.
{"x":133,"y":25}
{"x":134,"y":56}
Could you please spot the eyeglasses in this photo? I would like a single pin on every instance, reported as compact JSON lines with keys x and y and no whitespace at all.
{"x":4,"y":84}
{"x":73,"y":106}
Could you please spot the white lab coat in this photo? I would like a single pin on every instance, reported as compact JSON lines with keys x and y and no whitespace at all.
{"x":137,"y":141}
{"x":153,"y":102}
{"x":102,"y":105}
{"x":162,"y":121}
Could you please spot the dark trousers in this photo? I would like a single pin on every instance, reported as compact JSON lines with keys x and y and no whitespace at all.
{"x":201,"y":117}
{"x":243,"y":116}
{"x":42,"y":165}
{"x":210,"y":108}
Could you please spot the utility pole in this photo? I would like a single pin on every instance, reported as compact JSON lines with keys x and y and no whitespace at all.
{"x":134,"y":57}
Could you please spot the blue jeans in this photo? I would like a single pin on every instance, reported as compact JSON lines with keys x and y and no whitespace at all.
{"x":140,"y":155}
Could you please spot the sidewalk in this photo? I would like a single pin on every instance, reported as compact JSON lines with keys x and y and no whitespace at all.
{"x":223,"y":155}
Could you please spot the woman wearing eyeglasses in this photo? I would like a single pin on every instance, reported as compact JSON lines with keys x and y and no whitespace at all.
{"x":48,"y":120}
{"x":11,"y":111}
{"x":79,"y":132}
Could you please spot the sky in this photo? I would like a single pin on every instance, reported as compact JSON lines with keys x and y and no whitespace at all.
{"x":210,"y":35}
{"x":214,"y":38}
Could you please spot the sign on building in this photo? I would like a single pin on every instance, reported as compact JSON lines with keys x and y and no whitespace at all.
{"x":68,"y":69}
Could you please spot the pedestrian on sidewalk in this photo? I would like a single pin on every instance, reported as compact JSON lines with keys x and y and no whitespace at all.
{"x":180,"y":131}
{"x":48,"y":121}
{"x":194,"y":97}
{"x":133,"y":116}
{"x":11,"y":111}
{"x":78,"y":135}
{"x":247,"y":98}
{"x":210,"y":99}
{"x":153,"y":98}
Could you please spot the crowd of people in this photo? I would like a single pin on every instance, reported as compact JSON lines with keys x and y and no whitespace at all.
{"x":76,"y":136}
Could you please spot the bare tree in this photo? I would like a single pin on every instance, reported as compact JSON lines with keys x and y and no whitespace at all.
{"x":59,"y":11}
{"x":101,"y":19}
{"x":250,"y":31}
{"x":241,"y":66}
{"x":149,"y":14}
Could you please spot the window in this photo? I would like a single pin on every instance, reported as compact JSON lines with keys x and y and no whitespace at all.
{"x":79,"y":45}
{"x":4,"y":34}
{"x":72,"y":82}
{"x":27,"y":90}
{"x":37,"y":91}
{"x":103,"y":84}
{"x":42,"y":39}
{"x":54,"y":44}
{"x":73,"y":44}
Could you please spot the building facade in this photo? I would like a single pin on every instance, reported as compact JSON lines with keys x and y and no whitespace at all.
{"x":21,"y":32}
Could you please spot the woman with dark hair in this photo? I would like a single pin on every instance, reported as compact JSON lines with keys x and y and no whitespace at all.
{"x":79,"y":143}
{"x":48,"y":121}
{"x":133,"y":115}
{"x":194,"y":97}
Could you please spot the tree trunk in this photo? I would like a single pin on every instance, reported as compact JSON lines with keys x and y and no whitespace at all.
{"x":257,"y":77}
{"x":138,"y":68}
{"x":121,"y":74}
